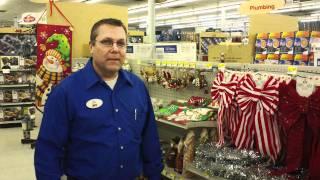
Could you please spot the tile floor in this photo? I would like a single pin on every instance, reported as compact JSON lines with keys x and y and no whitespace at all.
{"x":16,"y":159}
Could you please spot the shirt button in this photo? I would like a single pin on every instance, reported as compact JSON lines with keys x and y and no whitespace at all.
{"x":121,"y":166}
{"x":119,"y":128}
{"x":117,"y":110}
{"x":121,"y":147}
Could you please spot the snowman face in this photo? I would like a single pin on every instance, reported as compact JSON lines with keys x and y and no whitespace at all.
{"x":52,"y":64}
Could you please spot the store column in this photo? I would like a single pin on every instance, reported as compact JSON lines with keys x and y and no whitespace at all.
{"x":151,"y":25}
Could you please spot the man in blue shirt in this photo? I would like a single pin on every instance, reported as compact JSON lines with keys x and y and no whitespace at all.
{"x":98,"y":123}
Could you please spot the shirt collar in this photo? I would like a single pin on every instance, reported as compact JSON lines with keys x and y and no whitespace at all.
{"x":92,"y":77}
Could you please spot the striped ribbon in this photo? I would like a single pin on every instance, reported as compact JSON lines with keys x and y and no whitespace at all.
{"x":257,"y":125}
{"x":224,"y":93}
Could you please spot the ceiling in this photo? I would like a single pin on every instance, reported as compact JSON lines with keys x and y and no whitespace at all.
{"x":138,"y":13}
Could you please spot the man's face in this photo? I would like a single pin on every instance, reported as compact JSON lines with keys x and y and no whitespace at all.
{"x":109,"y":49}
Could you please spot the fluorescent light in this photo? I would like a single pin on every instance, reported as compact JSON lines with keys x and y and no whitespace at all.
{"x":2,"y":2}
{"x":185,"y":13}
{"x":172,"y":3}
{"x":300,"y":7}
{"x":93,"y":1}
{"x":144,"y":8}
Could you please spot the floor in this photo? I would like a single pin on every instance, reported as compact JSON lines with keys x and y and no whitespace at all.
{"x":16,"y":159}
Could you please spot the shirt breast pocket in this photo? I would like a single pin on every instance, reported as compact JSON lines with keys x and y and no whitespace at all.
{"x":137,"y":119}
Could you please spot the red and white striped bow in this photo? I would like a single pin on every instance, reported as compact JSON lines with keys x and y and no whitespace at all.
{"x":223,"y":93}
{"x":257,"y":124}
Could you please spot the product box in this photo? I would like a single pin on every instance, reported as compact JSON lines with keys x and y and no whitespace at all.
{"x":286,"y":59}
{"x":301,"y":59}
{"x":273,"y":48}
{"x":301,"y":48}
{"x":301,"y":42}
{"x":272,"y":59}
{"x":315,"y":37}
{"x":261,"y":43}
{"x":286,"y":48}
{"x":11,"y":61}
{"x":287,"y":43}
{"x":273,"y":45}
{"x":260,"y":58}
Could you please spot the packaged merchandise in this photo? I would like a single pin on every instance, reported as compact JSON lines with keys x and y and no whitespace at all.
{"x":11,"y":78}
{"x":314,"y":58}
{"x":11,"y":61}
{"x":286,"y":47}
{"x":301,"y":48}
{"x":301,"y":42}
{"x":260,"y":58}
{"x":1,"y":96}
{"x":273,"y":48}
{"x":315,"y":37}
{"x":272,"y":59}
{"x":1,"y":79}
{"x":11,"y":114}
{"x":1,"y":115}
{"x":7,"y":96}
{"x":286,"y":59}
{"x":261,"y":43}
{"x":261,"y":48}
{"x":24,"y":95}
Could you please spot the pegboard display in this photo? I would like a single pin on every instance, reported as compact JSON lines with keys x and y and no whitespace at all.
{"x":158,"y":91}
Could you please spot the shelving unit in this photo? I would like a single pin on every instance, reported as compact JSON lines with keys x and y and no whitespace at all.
{"x":171,"y":174}
{"x":17,"y":104}
{"x":194,"y":170}
{"x":190,"y":125}
{"x":10,"y":122}
{"x":16,"y":85}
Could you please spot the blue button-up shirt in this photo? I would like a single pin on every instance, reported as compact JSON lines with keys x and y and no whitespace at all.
{"x":118,"y":140}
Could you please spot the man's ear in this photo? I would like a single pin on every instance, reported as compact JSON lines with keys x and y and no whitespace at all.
{"x":91,"y":48}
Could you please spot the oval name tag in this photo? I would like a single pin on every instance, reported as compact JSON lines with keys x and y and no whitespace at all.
{"x":94,"y":103}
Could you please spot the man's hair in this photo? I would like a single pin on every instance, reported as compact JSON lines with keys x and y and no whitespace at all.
{"x":108,"y":21}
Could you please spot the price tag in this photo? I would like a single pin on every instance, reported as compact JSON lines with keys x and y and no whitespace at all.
{"x":209,"y":65}
{"x":21,"y":62}
{"x":193,"y":64}
{"x":158,"y":63}
{"x":14,"y":95}
{"x":20,"y":80}
{"x":1,"y":79}
{"x":1,"y":114}
{"x":6,"y":71}
{"x":292,"y":70}
{"x":1,"y":96}
{"x":221,"y":66}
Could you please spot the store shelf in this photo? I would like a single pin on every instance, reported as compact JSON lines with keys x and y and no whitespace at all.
{"x":15,"y":85}
{"x":190,"y":125}
{"x":18,"y":104}
{"x":10,"y":122}
{"x":171,"y":174}
{"x":194,"y":170}
{"x":20,"y":70}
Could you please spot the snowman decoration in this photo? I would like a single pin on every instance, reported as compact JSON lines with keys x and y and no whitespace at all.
{"x":53,"y":67}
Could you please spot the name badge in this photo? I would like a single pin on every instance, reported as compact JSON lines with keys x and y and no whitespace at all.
{"x":94,"y":103}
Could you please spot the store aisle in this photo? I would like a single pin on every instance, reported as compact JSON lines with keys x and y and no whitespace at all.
{"x":16,"y":159}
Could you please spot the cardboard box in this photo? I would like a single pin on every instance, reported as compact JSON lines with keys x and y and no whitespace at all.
{"x":232,"y":53}
{"x":286,"y":48}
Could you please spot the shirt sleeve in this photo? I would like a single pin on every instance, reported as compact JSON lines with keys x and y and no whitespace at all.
{"x":151,"y":150}
{"x":53,"y":135}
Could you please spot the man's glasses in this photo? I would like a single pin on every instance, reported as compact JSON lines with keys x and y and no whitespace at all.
{"x":121,"y":44}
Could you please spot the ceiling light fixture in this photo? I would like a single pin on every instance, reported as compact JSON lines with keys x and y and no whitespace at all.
{"x":185,"y":13}
{"x":172,"y":3}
